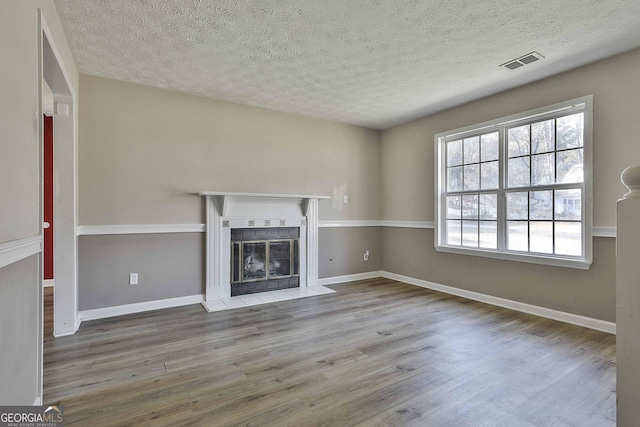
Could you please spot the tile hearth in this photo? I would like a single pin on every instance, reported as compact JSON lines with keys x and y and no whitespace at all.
{"x":267,"y":297}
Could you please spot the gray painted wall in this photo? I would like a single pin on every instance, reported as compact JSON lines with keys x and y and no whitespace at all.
{"x":340,"y":250}
{"x":168,"y":265}
{"x":408,"y":150}
{"x":145,"y":153}
{"x":589,"y":293}
{"x":19,"y":287}
{"x":408,"y":191}
{"x":19,"y":151}
{"x":173,"y":265}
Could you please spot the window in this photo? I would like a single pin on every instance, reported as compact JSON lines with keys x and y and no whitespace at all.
{"x":518,"y":187}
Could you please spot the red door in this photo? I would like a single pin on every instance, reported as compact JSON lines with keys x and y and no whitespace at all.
{"x":48,"y":197}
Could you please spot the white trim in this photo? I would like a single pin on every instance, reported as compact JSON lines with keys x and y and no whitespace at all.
{"x":349,"y":223}
{"x":309,"y":267}
{"x":92,"y":230}
{"x":603,"y":231}
{"x":119,"y":310}
{"x":335,"y":280}
{"x":409,"y":224}
{"x":583,"y":105}
{"x":37,"y":401}
{"x":66,"y":334}
{"x":574,"y":319}
{"x":95,"y":230}
{"x":48,"y":283}
{"x":267,"y":195}
{"x":557,"y":261}
{"x":376,"y":223}
{"x":16,"y":250}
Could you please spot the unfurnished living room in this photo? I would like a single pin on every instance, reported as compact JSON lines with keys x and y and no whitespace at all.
{"x":331,"y":213}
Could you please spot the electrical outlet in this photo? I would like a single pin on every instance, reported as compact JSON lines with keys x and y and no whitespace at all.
{"x":133,"y":278}
{"x":366,"y":255}
{"x":345,"y":199}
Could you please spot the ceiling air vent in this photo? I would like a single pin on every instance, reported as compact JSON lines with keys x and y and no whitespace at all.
{"x":522,"y":61}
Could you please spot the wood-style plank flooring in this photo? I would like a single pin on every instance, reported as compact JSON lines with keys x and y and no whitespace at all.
{"x":375,"y":353}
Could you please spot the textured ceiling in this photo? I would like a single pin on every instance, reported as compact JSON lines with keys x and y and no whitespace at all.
{"x":374,"y":63}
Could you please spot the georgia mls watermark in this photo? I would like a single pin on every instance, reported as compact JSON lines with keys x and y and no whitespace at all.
{"x":31,"y":416}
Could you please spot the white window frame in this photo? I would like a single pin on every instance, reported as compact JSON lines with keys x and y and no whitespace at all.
{"x":583,"y":104}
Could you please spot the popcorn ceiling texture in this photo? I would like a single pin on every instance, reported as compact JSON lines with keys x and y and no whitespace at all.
{"x":374,"y":63}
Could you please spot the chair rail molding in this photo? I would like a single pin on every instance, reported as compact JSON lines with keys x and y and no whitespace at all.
{"x":16,"y":250}
{"x":97,"y":230}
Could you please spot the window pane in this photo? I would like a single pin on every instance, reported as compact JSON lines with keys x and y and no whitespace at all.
{"x":541,"y":205}
{"x":454,"y":179}
{"x":570,"y":166}
{"x":517,"y":205}
{"x":538,"y":162}
{"x":470,"y":233}
{"x":542,"y":169}
{"x":471,"y":177}
{"x":569,"y":131}
{"x":518,"y":141}
{"x":488,"y":234}
{"x":541,"y":237}
{"x":519,"y":172}
{"x":543,"y":137}
{"x":489,"y":147}
{"x":490,"y":175}
{"x":488,"y":206}
{"x":569,"y":204}
{"x":568,"y":238}
{"x":453,"y":232}
{"x":453,"y":207}
{"x":454,"y":153}
{"x":470,"y":206}
{"x":517,"y":235}
{"x":471,"y":150}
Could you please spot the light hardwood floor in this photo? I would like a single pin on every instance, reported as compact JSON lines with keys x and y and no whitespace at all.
{"x":375,"y":353}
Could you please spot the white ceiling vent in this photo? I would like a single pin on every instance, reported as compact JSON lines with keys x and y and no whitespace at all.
{"x":522,"y":61}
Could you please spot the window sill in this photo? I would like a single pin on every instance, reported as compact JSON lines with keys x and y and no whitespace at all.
{"x":577,"y":263}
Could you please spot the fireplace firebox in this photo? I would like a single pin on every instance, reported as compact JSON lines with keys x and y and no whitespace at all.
{"x":264,"y":259}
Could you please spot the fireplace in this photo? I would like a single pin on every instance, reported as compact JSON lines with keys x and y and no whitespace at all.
{"x":264,"y":259}
{"x":259,"y":242}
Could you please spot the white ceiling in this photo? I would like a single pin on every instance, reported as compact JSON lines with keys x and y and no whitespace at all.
{"x":374,"y":63}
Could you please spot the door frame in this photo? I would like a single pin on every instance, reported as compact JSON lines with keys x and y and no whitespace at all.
{"x":51,"y":67}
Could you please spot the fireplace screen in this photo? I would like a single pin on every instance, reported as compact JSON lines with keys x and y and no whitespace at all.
{"x":264,"y":255}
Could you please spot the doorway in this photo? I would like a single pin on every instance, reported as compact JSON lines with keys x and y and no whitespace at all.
{"x":64,"y":245}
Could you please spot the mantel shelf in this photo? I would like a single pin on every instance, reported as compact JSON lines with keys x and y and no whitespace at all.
{"x":262,"y":195}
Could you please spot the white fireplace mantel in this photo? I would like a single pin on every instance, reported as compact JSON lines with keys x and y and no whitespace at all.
{"x":228,"y":210}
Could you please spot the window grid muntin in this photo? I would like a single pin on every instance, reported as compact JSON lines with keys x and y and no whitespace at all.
{"x":502,"y":237}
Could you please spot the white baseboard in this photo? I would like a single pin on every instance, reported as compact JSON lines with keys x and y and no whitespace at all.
{"x":349,"y":278}
{"x":48,"y":283}
{"x":119,"y":310}
{"x":587,"y":322}
{"x":574,"y":319}
{"x":37,"y":401}
{"x":68,"y":333}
